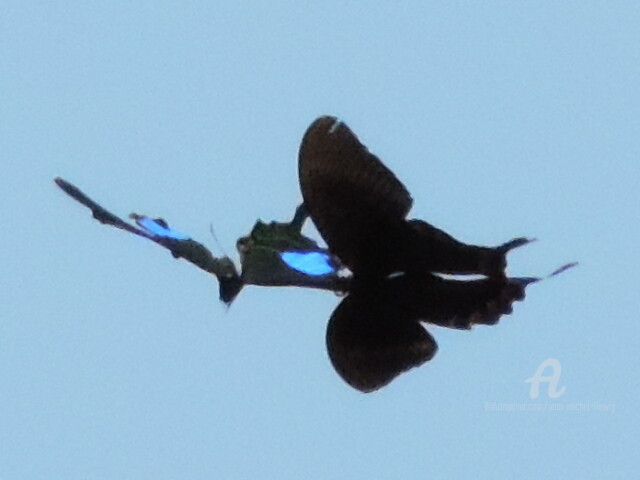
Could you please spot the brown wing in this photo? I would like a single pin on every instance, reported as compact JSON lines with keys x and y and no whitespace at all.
{"x":371,"y":340}
{"x":350,"y":195}
{"x":375,"y":334}
{"x":460,"y":304}
{"x":421,"y":247}
{"x":359,"y":207}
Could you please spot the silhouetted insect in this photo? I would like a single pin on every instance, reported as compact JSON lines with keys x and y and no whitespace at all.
{"x":273,"y":254}
{"x":360,"y":209}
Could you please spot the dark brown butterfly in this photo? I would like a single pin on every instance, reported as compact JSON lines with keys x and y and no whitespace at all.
{"x":360,"y":208}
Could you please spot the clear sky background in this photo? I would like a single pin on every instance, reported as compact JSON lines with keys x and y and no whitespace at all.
{"x":502,"y":118}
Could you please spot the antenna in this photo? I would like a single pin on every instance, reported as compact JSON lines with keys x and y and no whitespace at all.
{"x":215,"y":239}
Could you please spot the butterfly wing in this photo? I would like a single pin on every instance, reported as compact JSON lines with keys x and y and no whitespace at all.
{"x":353,"y":199}
{"x":371,"y":339}
{"x":459,"y":304}
{"x":315,"y":263}
{"x":375,"y":334}
{"x":157,"y":230}
{"x":360,"y":209}
{"x":157,"y":227}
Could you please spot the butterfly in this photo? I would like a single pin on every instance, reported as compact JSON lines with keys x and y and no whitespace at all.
{"x":389,"y":267}
{"x":360,"y":209}
{"x":272,"y":254}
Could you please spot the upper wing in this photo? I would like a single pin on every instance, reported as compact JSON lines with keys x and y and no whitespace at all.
{"x":157,"y":230}
{"x":359,"y":207}
{"x":350,"y":195}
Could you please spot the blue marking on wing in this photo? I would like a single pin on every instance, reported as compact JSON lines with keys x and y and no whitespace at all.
{"x":309,"y":263}
{"x":157,"y":229}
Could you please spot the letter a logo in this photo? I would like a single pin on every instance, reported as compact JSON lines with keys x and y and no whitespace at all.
{"x":552,"y":379}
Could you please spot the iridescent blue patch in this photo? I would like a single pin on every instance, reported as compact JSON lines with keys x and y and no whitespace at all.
{"x":309,"y":263}
{"x":154,"y":227}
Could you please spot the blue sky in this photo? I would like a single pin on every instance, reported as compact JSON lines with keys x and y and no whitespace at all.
{"x":502,"y":118}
